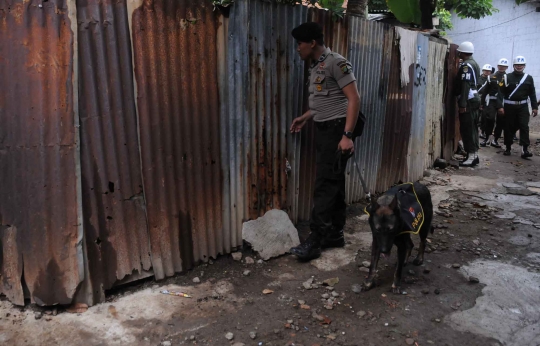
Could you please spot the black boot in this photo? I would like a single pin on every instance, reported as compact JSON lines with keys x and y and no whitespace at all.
{"x":309,"y":249}
{"x":507,"y":151}
{"x":336,"y":239}
{"x":495,"y":143}
{"x":484,"y":143}
{"x":525,"y":154}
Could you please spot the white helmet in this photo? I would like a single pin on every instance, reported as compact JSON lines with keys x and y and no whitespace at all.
{"x":503,"y":62}
{"x":520,"y":60}
{"x":487,"y":67}
{"x":466,"y":47}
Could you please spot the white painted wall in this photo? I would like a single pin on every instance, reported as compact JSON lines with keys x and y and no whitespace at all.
{"x":514,"y":30}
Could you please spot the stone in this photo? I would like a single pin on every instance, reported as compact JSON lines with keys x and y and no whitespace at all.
{"x":252,"y":335}
{"x":521,"y":191}
{"x":529,"y":235}
{"x":301,"y":302}
{"x":425,"y":291}
{"x":409,"y":341}
{"x":238,"y":344}
{"x":335,"y":294}
{"x":246,"y":272}
{"x":196,"y":280}
{"x":271,"y":235}
{"x":456,"y":265}
{"x":437,"y":291}
{"x":473,"y":279}
{"x":364,"y":217}
{"x":331,"y":282}
{"x":317,"y":317}
{"x":366,"y":264}
{"x":427,"y":270}
{"x":166,"y":343}
{"x":411,"y":272}
{"x":192,"y":337}
{"x":38,"y":315}
{"x":308,"y":284}
{"x":249,"y":260}
{"x":437,"y":320}
{"x":229,"y":336}
{"x":361,"y":314}
{"x":325,"y":296}
{"x":476,"y":242}
{"x":237,"y":256}
{"x":356,"y":288}
{"x":506,"y":216}
{"x":364,"y":270}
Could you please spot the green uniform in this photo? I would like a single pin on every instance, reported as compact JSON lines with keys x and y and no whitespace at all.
{"x":488,"y":96}
{"x":516,"y":110}
{"x":466,"y":87}
{"x":492,"y":89}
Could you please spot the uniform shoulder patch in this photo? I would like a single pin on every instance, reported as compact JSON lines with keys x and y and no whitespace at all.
{"x":465,"y":68}
{"x":345,"y":66}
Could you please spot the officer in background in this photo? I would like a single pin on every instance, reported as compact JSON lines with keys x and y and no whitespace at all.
{"x":493,"y":90}
{"x":466,"y":90}
{"x":488,"y":97}
{"x":334,"y":104}
{"x":484,"y":80}
{"x":516,"y":88}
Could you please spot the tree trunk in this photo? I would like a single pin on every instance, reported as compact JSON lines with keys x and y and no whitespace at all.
{"x":357,"y":8}
{"x":427,"y":7}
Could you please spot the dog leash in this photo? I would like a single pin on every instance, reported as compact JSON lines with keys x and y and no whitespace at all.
{"x":362,"y":181}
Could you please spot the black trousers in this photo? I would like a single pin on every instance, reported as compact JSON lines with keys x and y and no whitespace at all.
{"x":489,"y":114}
{"x":499,"y":126}
{"x":517,"y":118}
{"x":329,"y":208}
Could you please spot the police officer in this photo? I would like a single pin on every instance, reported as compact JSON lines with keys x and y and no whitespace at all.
{"x":492,"y":90}
{"x":466,"y":90}
{"x":516,"y":88}
{"x":484,"y":81}
{"x":334,"y":104}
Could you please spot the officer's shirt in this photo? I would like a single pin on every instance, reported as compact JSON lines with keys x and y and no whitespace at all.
{"x":492,"y":89}
{"x":327,"y":77}
{"x":467,"y":79}
{"x":526,"y":90}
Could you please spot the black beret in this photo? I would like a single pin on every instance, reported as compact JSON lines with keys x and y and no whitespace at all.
{"x":307,"y":32}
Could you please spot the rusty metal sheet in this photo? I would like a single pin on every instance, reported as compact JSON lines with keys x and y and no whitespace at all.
{"x":397,"y":127}
{"x":264,"y":94}
{"x":434,"y":102}
{"x":370,"y":49}
{"x":39,"y":187}
{"x":417,"y":150}
{"x":450,"y":124}
{"x":116,"y":235}
{"x":175,"y":60}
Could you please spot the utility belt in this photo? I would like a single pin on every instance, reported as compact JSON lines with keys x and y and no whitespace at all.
{"x":472,"y":94}
{"x":493,"y":97}
{"x":509,"y":102}
{"x":325,"y":125}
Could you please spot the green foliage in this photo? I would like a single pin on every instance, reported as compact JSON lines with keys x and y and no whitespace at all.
{"x":474,"y":9}
{"x":334,"y":6}
{"x":406,"y":11}
{"x":445,"y":20}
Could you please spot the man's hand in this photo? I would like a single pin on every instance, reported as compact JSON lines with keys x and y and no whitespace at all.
{"x":346,"y":145}
{"x":297,"y":124}
{"x":462,"y":110}
{"x":535,"y":112}
{"x":500,"y":111}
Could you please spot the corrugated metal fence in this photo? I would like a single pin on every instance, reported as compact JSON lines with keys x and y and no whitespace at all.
{"x":183,"y":115}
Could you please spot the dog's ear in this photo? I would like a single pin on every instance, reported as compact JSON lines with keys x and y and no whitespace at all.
{"x":394,"y":205}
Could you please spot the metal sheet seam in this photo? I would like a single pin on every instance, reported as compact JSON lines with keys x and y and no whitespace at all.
{"x":72,"y":14}
{"x":132,"y":5}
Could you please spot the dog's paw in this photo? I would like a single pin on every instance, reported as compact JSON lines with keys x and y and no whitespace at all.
{"x":418,"y":262}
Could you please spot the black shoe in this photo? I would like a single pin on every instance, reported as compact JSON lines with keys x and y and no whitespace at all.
{"x":495,"y":144}
{"x":516,"y":139}
{"x":309,"y":249}
{"x":525,"y":154}
{"x":507,"y":152}
{"x":484,"y":143}
{"x":476,"y":161}
{"x":335,"y":239}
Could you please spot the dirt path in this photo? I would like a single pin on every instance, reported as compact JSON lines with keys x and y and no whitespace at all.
{"x":486,"y":223}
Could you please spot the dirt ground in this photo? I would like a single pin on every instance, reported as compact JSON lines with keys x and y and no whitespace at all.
{"x":487,"y":225}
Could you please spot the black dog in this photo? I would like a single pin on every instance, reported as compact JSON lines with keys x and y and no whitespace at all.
{"x":403,"y":208}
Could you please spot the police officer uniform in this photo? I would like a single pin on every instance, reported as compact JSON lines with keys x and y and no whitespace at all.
{"x":515,"y":88}
{"x":466,"y":90}
{"x":488,"y":96}
{"x":328,"y":104}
